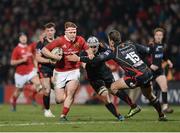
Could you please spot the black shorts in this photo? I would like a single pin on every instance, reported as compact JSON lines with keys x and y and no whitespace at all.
{"x":45,"y":73}
{"x":142,"y":80}
{"x":158,"y":72}
{"x":98,"y":84}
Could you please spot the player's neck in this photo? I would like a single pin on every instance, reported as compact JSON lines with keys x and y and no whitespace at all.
{"x":22,"y":45}
{"x":50,"y":39}
{"x":68,"y":39}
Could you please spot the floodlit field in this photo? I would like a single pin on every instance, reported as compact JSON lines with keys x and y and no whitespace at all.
{"x":84,"y":118}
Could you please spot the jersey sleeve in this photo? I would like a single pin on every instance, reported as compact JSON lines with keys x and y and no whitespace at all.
{"x":53,"y":44}
{"x":84,"y":44}
{"x":102,"y":57}
{"x":142,"y":48}
{"x":39,"y":47}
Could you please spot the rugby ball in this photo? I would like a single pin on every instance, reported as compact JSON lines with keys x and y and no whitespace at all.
{"x":57,"y":51}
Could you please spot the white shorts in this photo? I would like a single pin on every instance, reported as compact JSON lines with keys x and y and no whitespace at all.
{"x":21,"y":80}
{"x":61,"y":78}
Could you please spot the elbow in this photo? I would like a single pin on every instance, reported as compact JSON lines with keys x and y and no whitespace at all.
{"x":12,"y":63}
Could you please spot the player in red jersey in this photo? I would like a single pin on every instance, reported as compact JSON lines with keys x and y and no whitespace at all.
{"x":22,"y":58}
{"x":66,"y":73}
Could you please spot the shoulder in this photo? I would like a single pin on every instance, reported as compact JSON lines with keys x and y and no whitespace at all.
{"x":80,"y":39}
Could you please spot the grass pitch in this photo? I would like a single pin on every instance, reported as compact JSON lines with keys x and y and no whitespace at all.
{"x":83,"y":118}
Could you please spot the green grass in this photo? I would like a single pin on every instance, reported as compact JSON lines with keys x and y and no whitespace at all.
{"x":84,"y":118}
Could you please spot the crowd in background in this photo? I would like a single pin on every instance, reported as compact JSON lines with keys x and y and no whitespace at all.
{"x":135,"y":19}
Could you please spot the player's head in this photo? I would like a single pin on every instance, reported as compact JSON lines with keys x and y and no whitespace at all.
{"x":70,"y":30}
{"x":158,"y":35}
{"x":114,"y":38}
{"x":49,"y":29}
{"x":93,"y":44}
{"x":22,"y":38}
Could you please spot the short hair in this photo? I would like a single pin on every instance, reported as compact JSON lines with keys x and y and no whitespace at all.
{"x":115,"y":36}
{"x":69,"y":24}
{"x":49,"y":25}
{"x":159,"y":29}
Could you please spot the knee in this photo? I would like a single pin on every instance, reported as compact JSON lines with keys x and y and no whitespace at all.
{"x":59,"y":100}
{"x":47,"y":92}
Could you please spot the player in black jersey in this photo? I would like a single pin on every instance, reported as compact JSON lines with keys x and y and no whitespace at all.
{"x":101,"y":78}
{"x":136,"y":71}
{"x":158,"y":56}
{"x":46,"y":67}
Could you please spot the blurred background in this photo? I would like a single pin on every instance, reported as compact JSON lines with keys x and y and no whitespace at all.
{"x":135,"y":19}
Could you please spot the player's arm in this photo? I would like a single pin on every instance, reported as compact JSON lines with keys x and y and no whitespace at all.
{"x":15,"y":60}
{"x":39,"y":56}
{"x":46,"y":50}
{"x":166,"y":58}
{"x":143,"y":49}
{"x":103,"y":56}
{"x":18,"y":62}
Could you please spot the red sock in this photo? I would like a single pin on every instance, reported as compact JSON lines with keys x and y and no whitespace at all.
{"x":34,"y":95}
{"x":14,"y":99}
{"x":65,"y":110}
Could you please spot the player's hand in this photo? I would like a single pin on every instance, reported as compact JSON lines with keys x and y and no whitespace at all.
{"x":52,"y":61}
{"x":154,"y":67}
{"x":170,"y":64}
{"x":90,"y":56}
{"x":57,"y":57}
{"x":73,"y":58}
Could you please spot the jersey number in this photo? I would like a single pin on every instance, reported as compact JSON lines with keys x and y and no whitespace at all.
{"x":133,"y":57}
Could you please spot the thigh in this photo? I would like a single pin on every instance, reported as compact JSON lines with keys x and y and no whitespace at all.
{"x":162,"y":81}
{"x":60,"y":93}
{"x":46,"y":83}
{"x":119,"y":84}
{"x":71,"y":87}
{"x":97,"y":85}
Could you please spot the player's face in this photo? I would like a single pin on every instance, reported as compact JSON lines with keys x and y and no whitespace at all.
{"x":23,"y":39}
{"x":71,"y":34}
{"x":50,"y":32}
{"x":158,"y":37}
{"x":94,"y":48}
{"x":111,"y":44}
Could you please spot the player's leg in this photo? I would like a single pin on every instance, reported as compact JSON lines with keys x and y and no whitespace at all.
{"x":71,"y":88}
{"x":124,"y":96}
{"x":102,"y":91}
{"x":162,"y":82}
{"x":120,"y":84}
{"x":46,"y":83}
{"x":19,"y":83}
{"x":147,"y":92}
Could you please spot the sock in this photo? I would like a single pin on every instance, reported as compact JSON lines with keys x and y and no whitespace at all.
{"x":34,"y":95}
{"x":14,"y":99}
{"x":156,"y":104}
{"x":124,"y":96}
{"x":164,"y":97}
{"x":112,"y":109}
{"x":46,"y":102}
{"x":65,"y":111}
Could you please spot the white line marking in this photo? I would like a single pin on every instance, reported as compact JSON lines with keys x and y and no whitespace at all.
{"x":59,"y":123}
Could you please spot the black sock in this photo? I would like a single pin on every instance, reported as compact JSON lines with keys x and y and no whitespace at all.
{"x":164,"y":97}
{"x":124,"y":96}
{"x":156,"y":104}
{"x":46,"y":101}
{"x":112,"y":109}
